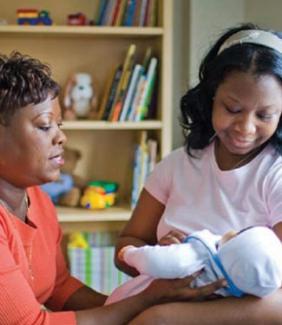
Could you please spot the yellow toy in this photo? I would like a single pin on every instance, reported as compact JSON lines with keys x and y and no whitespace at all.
{"x":77,"y":240}
{"x":99,"y":195}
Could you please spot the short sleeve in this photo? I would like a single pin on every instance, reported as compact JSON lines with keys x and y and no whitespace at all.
{"x":159,"y":181}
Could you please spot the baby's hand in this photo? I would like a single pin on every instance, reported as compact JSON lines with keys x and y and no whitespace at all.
{"x":173,"y":237}
{"x":122,"y":252}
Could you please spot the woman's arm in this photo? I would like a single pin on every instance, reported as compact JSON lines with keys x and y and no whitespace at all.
{"x":159,"y":291}
{"x":141,"y":228}
{"x":231,"y":311}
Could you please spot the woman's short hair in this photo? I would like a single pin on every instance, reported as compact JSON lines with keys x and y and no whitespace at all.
{"x":23,"y":81}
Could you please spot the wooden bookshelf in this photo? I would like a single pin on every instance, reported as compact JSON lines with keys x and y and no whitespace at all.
{"x":107,"y":147}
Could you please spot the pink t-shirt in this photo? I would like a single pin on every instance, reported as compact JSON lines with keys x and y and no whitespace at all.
{"x":198,"y":195}
{"x":32,"y":267}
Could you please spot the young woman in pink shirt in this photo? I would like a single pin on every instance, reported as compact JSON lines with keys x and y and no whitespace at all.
{"x":227,"y":176}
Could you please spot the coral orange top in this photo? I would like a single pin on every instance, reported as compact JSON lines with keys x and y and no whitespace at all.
{"x":32,"y":268}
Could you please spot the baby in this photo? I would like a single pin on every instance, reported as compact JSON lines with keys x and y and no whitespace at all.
{"x":250,"y":261}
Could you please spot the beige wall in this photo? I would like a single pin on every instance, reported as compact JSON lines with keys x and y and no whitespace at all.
{"x":267,"y":14}
{"x":197,"y":24}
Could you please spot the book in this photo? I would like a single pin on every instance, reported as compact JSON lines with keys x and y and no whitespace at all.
{"x":115,"y":13}
{"x":152,"y":14}
{"x":101,"y":11}
{"x":110,"y":12}
{"x":145,"y":157}
{"x":137,"y":13}
{"x":136,"y":98}
{"x":120,"y":14}
{"x":129,"y":13}
{"x":112,"y":92}
{"x":138,"y":70}
{"x":106,"y":93}
{"x":142,"y":15}
{"x":122,"y":85}
{"x":145,"y":96}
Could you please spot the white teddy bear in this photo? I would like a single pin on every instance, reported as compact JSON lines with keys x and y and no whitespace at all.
{"x":79,"y":100}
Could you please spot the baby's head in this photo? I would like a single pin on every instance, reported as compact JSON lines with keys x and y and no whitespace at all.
{"x":253,"y":260}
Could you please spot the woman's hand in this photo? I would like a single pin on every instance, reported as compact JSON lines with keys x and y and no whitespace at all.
{"x":173,"y":237}
{"x":167,"y":290}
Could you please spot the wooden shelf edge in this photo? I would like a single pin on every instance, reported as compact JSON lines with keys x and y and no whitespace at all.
{"x":82,"y":30}
{"x":104,"y":125}
{"x":83,"y":215}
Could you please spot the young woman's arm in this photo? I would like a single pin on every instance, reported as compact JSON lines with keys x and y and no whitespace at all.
{"x":141,"y":228}
{"x":231,"y":311}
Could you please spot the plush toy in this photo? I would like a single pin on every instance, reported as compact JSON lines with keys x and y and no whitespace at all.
{"x":67,"y":190}
{"x":99,"y":195}
{"x":80,"y":100}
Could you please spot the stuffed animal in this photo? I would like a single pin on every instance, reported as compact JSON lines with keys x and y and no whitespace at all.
{"x":80,"y":100}
{"x":67,"y":190}
{"x":99,"y":195}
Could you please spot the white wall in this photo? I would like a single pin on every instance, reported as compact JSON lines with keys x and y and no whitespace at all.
{"x":266,"y":14}
{"x":198,"y":23}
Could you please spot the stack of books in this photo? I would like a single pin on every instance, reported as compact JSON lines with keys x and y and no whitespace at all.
{"x":91,"y":257}
{"x":145,"y":158}
{"x":130,"y":94}
{"x":127,"y":13}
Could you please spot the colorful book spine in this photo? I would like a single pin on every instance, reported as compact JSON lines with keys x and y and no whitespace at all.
{"x":138,"y":70}
{"x":144,"y":162}
{"x":142,"y":15}
{"x":120,"y":14}
{"x":101,"y":11}
{"x":136,"y":99}
{"x":145,"y":96}
{"x":129,"y":13}
{"x":123,"y":84}
{"x":112,"y":93}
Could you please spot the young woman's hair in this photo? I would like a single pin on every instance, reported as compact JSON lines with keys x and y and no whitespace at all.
{"x":23,"y":81}
{"x":196,"y":104}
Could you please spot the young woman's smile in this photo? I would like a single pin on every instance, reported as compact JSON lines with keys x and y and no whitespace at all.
{"x":246,"y":112}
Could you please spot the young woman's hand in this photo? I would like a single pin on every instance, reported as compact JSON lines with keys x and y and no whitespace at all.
{"x":168,"y":290}
{"x":173,"y":237}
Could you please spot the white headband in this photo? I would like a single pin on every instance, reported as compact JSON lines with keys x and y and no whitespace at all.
{"x":253,"y":36}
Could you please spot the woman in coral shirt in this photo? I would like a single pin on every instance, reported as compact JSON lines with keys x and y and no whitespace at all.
{"x":32,"y":269}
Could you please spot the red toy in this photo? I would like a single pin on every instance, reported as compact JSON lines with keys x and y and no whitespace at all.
{"x":78,"y":19}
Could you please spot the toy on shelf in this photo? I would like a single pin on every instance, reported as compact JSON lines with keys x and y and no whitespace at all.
{"x":99,"y":195}
{"x":33,"y":17}
{"x":80,"y":100}
{"x":77,"y":19}
{"x":67,"y":190}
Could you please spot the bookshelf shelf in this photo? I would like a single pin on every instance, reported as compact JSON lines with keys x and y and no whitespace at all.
{"x":79,"y":215}
{"x":65,"y":31}
{"x":104,"y":125}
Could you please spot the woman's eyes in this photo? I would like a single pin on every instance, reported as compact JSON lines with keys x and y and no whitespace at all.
{"x":46,"y":128}
{"x":232,"y":110}
{"x":265,"y":117}
{"x":261,"y":116}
